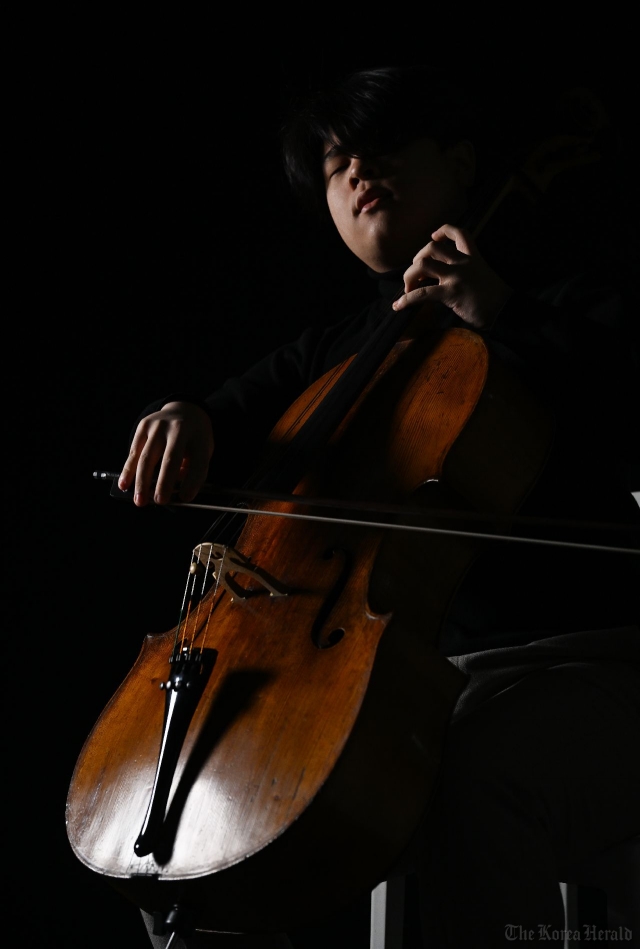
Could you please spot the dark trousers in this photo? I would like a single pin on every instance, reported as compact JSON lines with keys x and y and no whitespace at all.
{"x":535,"y":783}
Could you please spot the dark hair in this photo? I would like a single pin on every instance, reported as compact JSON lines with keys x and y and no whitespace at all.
{"x":368,"y":113}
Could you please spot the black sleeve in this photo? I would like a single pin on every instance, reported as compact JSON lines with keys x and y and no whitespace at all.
{"x":245,"y":408}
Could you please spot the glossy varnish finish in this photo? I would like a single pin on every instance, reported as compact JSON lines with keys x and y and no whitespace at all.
{"x":305,"y":769}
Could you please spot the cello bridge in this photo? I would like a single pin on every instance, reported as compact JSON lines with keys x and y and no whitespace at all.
{"x":225,"y":563}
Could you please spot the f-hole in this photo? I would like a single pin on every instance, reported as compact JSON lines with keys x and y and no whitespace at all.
{"x":332,"y":638}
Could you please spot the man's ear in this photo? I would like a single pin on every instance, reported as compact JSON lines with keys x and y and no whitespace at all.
{"x":463,"y":158}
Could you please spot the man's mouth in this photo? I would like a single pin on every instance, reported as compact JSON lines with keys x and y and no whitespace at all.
{"x":369,"y":199}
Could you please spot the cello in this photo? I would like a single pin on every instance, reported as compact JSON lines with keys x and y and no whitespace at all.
{"x":259,"y":746}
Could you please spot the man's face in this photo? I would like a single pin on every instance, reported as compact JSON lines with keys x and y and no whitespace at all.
{"x":386,"y":208}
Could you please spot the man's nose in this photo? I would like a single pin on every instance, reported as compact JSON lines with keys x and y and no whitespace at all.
{"x":363,"y":169}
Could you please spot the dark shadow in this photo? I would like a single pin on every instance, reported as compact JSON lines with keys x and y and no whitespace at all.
{"x":235,"y":696}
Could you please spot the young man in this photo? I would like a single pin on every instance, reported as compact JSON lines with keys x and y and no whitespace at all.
{"x":539,"y":773}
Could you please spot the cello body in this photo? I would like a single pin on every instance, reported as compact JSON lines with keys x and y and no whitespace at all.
{"x":314,"y":747}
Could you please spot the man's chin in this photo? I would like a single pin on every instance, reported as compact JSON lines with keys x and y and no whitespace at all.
{"x":391,"y":256}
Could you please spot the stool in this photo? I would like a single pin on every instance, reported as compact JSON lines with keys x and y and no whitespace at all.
{"x":613,"y":877}
{"x":387,"y":914}
{"x":614,"y":872}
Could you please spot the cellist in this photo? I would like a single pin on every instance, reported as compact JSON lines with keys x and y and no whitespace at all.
{"x":539,"y":772}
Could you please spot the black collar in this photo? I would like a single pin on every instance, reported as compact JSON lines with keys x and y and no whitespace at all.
{"x":390,"y":283}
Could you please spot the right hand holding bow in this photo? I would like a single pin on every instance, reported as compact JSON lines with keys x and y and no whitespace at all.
{"x":178,"y":442}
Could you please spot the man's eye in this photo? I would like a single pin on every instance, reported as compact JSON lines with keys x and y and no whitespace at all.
{"x":338,"y":168}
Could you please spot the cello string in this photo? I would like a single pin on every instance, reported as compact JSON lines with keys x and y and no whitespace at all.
{"x":200,"y":598}
{"x":182,"y":607}
{"x":218,"y":576}
{"x":193,"y":580}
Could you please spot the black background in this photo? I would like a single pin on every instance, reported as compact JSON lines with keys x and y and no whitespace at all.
{"x":156,"y":247}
